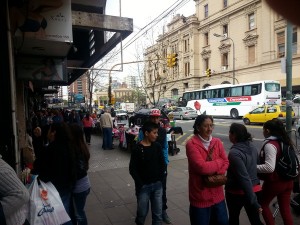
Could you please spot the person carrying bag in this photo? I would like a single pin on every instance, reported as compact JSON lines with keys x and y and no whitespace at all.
{"x":214,"y":180}
{"x":45,"y":207}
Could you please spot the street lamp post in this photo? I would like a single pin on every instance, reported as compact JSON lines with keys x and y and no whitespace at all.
{"x":233,"y":55}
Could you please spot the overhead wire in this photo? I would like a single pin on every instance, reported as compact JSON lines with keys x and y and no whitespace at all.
{"x":153,"y":22}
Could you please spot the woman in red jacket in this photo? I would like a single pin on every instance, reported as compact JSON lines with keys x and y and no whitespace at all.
{"x":207,"y":204}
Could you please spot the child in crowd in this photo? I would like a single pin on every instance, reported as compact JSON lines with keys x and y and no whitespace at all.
{"x":147,"y":167}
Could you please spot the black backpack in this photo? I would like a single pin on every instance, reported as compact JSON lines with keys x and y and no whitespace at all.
{"x":287,"y":164}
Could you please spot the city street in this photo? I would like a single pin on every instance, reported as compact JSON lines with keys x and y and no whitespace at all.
{"x":220,"y":130}
{"x":112,"y":200}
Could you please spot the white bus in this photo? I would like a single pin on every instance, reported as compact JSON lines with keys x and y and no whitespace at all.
{"x":232,"y":100}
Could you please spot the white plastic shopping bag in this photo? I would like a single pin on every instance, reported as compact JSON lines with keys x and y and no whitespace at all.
{"x":46,"y":207}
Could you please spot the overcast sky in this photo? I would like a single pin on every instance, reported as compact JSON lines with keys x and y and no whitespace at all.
{"x":143,"y":12}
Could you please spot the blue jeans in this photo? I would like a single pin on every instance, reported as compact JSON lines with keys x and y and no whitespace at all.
{"x":65,"y":195}
{"x":79,"y":200}
{"x":213,"y":215}
{"x":153,"y":193}
{"x":107,"y":138}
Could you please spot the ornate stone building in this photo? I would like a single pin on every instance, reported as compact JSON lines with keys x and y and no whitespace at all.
{"x":239,"y":40}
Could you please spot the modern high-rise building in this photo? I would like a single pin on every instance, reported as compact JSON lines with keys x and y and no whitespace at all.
{"x":79,"y":89}
{"x":132,"y":81}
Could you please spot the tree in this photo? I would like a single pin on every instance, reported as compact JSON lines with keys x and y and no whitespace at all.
{"x":162,"y":79}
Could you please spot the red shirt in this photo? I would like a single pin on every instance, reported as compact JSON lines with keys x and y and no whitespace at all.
{"x":87,"y":122}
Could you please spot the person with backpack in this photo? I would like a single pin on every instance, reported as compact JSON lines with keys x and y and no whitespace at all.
{"x":274,"y":185}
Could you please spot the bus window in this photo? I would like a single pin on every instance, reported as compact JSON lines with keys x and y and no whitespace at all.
{"x":200,"y":94}
{"x":236,"y":91}
{"x":215,"y":93}
{"x":189,"y":96}
{"x":208,"y":94}
{"x":227,"y":92}
{"x":254,"y":91}
{"x":197,"y":95}
{"x":222,"y":93}
{"x":272,"y":87}
{"x":185,"y":96}
{"x":192,"y":96}
{"x":247,"y":90}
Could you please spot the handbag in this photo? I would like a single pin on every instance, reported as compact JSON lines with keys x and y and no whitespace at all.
{"x":45,"y":206}
{"x":214,"y":180}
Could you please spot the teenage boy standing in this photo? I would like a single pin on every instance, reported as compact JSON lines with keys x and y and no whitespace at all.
{"x":155,"y":115}
{"x":147,"y":167}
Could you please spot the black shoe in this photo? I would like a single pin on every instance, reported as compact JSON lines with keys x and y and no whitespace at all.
{"x":166,"y":218}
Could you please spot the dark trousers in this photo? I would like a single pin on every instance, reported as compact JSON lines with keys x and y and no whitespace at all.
{"x":164,"y":194}
{"x":235,"y":203}
{"x":107,"y":138}
{"x":213,"y":215}
{"x":87,"y":134}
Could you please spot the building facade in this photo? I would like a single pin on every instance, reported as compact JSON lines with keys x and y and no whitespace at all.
{"x":238,"y":40}
{"x":35,"y":56}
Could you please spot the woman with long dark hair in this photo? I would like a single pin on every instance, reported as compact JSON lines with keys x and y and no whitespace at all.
{"x":242,"y":185}
{"x":82,"y":187}
{"x":274,"y":185}
{"x":58,"y":162}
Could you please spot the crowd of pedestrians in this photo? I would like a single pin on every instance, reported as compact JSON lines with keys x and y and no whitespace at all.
{"x":62,"y":157}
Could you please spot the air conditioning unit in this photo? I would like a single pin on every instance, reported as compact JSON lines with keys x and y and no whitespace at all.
{"x":224,"y":68}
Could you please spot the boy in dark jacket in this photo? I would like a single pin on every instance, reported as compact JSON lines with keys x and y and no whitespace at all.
{"x":147,"y":168}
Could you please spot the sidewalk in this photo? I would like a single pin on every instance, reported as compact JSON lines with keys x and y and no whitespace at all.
{"x":112,"y":199}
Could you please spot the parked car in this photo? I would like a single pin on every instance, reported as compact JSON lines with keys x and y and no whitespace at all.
{"x":121,"y":114}
{"x":184,"y":113}
{"x":267,"y":112}
{"x":142,"y":115}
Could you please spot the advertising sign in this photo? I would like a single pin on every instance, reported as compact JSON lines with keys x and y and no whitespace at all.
{"x":48,"y":20}
{"x":41,"y":69}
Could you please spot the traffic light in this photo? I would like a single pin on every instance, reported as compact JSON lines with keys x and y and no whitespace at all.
{"x":174,"y":60}
{"x":208,"y":72}
{"x":169,"y":60}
